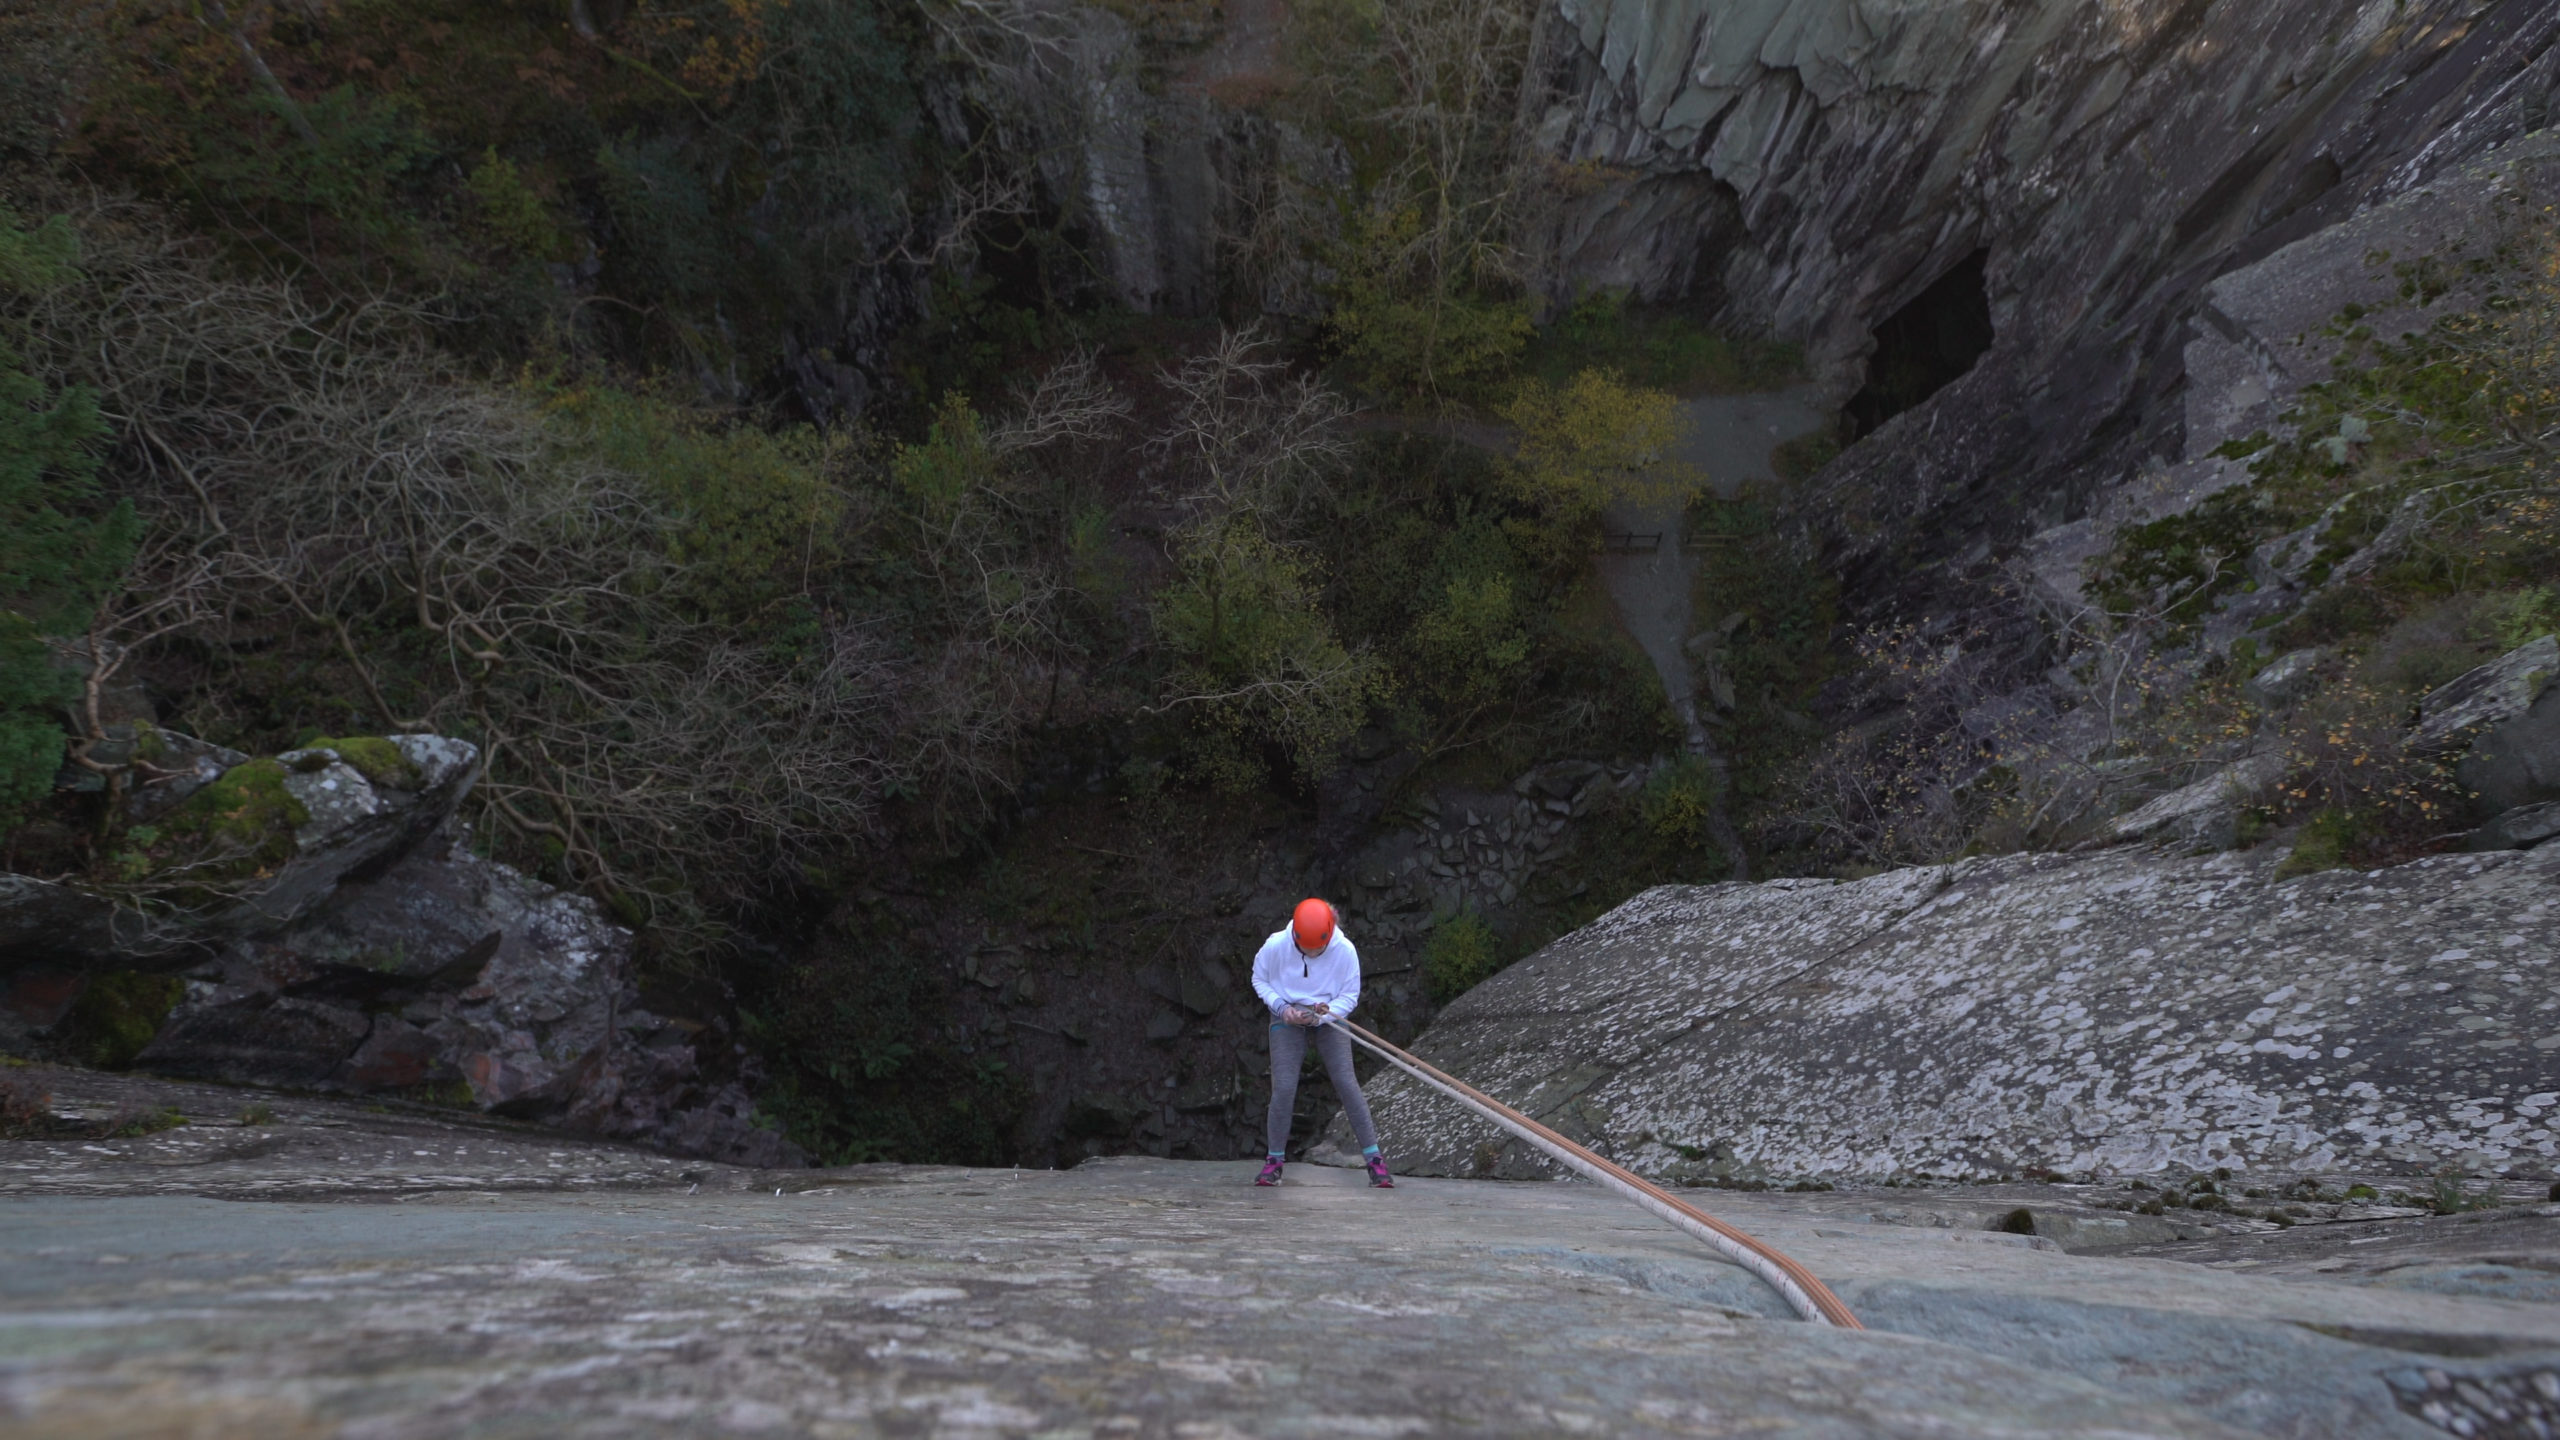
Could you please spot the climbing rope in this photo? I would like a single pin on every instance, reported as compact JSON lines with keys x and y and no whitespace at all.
{"x":1810,"y":1297}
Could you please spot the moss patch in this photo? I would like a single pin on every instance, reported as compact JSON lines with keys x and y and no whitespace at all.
{"x":247,"y":816}
{"x":117,"y":1015}
{"x":376,"y":759}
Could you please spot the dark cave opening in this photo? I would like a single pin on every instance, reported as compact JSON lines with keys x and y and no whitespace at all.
{"x":1925,"y":344}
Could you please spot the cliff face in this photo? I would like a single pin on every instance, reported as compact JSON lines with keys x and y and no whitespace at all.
{"x":1836,"y":171}
{"x":1990,"y":225}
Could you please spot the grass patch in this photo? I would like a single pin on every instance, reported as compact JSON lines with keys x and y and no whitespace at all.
{"x":134,"y":1122}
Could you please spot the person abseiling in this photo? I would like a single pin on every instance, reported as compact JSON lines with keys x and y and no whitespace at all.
{"x":1307,"y":973}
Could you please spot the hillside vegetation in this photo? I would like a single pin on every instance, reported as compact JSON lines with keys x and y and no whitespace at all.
{"x":692,"y":406}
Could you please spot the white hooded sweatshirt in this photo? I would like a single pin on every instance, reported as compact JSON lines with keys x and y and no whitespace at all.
{"x":1284,"y":976}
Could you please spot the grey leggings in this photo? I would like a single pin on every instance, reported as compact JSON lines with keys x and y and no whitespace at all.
{"x":1288,"y":1052}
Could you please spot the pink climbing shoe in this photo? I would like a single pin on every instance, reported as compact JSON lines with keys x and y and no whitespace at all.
{"x":1270,"y":1172}
{"x":1378,"y":1175}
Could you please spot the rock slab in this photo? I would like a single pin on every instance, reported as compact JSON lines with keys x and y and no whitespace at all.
{"x":421,"y":1277}
{"x":2122,"y":1014}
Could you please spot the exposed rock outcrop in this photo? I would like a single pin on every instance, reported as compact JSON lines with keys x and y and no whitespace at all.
{"x":2504,"y":719}
{"x":382,"y":956}
{"x":304,"y":820}
{"x":2122,"y":1014}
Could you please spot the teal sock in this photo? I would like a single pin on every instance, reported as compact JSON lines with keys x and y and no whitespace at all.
{"x":1275,"y":1155}
{"x":1372,"y":1150}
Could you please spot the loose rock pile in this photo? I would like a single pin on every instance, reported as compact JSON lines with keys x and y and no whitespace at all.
{"x":1479,"y":851}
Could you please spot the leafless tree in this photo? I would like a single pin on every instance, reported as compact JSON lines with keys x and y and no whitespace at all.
{"x":1249,"y":434}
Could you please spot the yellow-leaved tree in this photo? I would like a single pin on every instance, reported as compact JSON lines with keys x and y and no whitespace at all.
{"x":1585,"y":445}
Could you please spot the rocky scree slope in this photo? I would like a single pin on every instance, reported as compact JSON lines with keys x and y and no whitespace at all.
{"x":2126,"y":1014}
{"x":318,"y":1268}
{"x":376,"y":954}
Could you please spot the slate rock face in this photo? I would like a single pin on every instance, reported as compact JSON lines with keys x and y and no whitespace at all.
{"x":610,"y":1292}
{"x":2487,"y":699}
{"x":1814,"y":167}
{"x":2123,"y":1014}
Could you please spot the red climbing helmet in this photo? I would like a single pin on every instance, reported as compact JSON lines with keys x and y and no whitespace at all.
{"x":1312,"y":925}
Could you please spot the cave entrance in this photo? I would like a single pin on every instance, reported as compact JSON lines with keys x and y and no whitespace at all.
{"x":1925,"y":344}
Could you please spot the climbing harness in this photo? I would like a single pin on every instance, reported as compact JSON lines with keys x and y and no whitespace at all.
{"x":1811,"y":1298}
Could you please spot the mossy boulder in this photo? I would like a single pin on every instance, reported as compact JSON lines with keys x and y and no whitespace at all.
{"x":226,"y":848}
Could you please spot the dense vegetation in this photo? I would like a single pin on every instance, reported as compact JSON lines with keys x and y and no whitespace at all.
{"x":698,"y":407}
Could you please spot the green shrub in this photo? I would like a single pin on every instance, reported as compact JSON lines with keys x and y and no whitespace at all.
{"x":1658,"y":349}
{"x":938,"y":472}
{"x":513,"y":212}
{"x":60,"y":546}
{"x":1594,"y":440}
{"x":1677,"y":801}
{"x":1471,"y":649}
{"x":1463,"y":952}
{"x":2520,"y":617}
{"x":757,"y":511}
{"x":1255,"y":660}
{"x":1428,"y":345}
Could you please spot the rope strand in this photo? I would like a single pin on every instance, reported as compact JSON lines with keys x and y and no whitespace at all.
{"x":1808,"y":1296}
